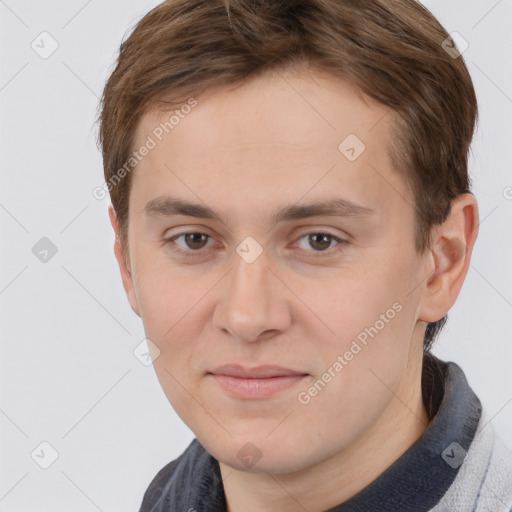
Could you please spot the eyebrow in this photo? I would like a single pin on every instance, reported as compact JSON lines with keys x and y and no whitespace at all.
{"x":168,"y":206}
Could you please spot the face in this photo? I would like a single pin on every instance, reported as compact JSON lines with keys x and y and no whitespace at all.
{"x":297,"y":266}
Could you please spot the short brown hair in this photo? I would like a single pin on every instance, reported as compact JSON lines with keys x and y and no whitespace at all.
{"x":392,"y":50}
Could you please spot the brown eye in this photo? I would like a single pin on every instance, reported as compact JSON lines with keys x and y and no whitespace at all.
{"x":320,"y":241}
{"x":195,"y":240}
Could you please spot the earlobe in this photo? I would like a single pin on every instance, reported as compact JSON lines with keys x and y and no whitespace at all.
{"x":452,"y":246}
{"x":124,"y":266}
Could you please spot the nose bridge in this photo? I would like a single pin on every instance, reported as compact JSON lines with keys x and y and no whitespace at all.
{"x":252,"y":300}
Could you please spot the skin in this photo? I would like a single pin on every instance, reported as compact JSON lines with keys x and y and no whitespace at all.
{"x":245,"y":153}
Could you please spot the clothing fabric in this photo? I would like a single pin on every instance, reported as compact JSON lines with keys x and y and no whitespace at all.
{"x":458,"y":465}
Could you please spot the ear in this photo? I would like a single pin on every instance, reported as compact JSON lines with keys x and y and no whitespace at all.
{"x":124,"y":267}
{"x":449,"y":258}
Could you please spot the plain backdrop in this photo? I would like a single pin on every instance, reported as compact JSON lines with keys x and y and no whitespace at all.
{"x":69,"y":377}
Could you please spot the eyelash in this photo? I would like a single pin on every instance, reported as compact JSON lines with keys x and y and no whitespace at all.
{"x":198,"y":253}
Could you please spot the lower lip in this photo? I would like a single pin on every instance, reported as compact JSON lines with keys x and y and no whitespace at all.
{"x":257,"y":388}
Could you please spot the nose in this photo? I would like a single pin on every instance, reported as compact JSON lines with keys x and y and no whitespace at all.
{"x":254,"y":302}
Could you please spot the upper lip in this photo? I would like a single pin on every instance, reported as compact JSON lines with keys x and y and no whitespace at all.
{"x":258,"y":372}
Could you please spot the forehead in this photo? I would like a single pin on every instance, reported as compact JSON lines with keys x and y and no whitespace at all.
{"x":299,"y":107}
{"x":275,"y":138}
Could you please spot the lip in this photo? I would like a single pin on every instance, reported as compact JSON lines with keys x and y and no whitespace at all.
{"x":257,"y":372}
{"x":258,"y":382}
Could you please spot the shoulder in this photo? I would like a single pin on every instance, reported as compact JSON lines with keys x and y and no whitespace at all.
{"x":484,"y":480}
{"x":497,"y":482}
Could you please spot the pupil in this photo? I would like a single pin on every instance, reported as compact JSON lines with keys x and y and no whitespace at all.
{"x":325,"y":240}
{"x":192,"y":238}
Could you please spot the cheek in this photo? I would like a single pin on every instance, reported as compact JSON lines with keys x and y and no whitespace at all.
{"x":169,"y":307}
{"x":165,"y":293}
{"x":354,"y":307}
{"x":360,"y":369}
{"x":369,"y":324}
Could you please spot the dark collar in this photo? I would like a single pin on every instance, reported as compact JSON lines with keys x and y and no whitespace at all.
{"x":423,"y":474}
{"x":415,"y":482}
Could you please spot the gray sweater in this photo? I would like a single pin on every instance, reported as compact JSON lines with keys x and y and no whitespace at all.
{"x":458,"y":465}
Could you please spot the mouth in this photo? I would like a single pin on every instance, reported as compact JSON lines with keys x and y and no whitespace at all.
{"x":256,"y":383}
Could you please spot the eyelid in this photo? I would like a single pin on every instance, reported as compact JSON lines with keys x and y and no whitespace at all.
{"x":340,"y":235}
{"x":327,"y":252}
{"x":341,"y":240}
{"x":307,"y":230}
{"x":180,"y":250}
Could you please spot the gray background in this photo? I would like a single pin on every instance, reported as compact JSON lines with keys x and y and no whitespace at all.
{"x":69,"y":375}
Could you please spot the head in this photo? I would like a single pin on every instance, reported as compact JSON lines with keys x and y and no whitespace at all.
{"x":253,"y":112}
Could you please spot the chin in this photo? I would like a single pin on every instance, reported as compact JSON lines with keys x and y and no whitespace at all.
{"x":278,"y":463}
{"x":263,"y":455}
